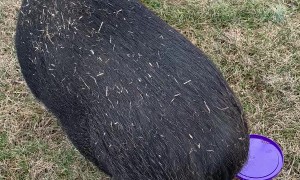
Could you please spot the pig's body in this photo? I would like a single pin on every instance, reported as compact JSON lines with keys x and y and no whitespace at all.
{"x":132,"y":94}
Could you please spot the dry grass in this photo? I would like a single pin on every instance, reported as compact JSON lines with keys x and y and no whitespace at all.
{"x":255,"y":43}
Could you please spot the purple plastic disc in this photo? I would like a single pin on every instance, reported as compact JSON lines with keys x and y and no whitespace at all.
{"x":265,"y":159}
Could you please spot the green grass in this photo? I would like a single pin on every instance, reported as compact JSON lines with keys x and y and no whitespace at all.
{"x":250,"y":14}
{"x":255,"y":43}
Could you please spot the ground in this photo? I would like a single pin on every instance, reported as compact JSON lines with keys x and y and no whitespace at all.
{"x":255,"y":43}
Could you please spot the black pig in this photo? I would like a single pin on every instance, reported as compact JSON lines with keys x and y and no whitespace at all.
{"x":133,"y":95}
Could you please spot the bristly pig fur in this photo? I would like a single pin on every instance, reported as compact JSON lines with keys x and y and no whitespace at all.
{"x":133,"y":95}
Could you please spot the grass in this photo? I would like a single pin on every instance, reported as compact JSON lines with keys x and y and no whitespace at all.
{"x":256,"y":44}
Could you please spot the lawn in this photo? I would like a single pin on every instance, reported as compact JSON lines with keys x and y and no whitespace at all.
{"x":255,"y":43}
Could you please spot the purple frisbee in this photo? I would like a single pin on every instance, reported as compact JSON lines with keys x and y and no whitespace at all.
{"x":265,"y":159}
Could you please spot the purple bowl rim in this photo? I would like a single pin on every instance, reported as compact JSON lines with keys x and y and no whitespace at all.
{"x":277,"y":146}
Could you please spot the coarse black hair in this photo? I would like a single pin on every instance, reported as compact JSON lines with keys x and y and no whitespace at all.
{"x":134,"y":96}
